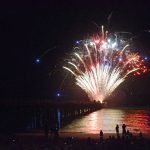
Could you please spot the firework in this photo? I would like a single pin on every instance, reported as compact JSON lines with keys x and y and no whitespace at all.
{"x":101,"y":63}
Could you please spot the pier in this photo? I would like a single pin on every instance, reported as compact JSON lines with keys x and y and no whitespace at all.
{"x":31,"y":115}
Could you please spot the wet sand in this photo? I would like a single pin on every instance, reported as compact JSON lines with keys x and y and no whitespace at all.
{"x":79,"y":135}
{"x":95,"y":136}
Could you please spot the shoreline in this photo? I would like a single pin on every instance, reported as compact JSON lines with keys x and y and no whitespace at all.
{"x":79,"y":135}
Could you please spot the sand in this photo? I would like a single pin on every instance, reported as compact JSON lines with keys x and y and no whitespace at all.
{"x":79,"y":135}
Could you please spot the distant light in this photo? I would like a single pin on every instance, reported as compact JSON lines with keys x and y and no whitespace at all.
{"x":58,"y":94}
{"x":77,"y":42}
{"x":146,"y":58}
{"x":37,"y":60}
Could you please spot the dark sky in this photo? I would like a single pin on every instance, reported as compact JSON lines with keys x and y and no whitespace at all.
{"x":29,"y":29}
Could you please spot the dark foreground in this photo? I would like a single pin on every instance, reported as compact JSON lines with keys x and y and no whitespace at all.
{"x":40,"y":142}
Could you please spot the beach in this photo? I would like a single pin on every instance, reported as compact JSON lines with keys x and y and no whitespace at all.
{"x":38,"y":141}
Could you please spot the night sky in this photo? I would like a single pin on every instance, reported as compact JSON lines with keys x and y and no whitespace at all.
{"x":48,"y":30}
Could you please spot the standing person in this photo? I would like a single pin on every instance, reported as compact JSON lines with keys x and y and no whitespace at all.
{"x":117,"y":130}
{"x":101,"y":135}
{"x":123,"y":129}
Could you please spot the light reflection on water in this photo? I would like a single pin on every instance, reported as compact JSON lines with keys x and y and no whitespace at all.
{"x":106,"y":119}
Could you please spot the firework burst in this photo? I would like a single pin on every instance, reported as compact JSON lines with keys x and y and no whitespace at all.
{"x":101,"y":63}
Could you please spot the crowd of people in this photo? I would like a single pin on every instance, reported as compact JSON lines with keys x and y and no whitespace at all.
{"x":123,"y":140}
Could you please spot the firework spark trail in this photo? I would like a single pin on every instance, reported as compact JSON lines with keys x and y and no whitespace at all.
{"x":101,"y":64}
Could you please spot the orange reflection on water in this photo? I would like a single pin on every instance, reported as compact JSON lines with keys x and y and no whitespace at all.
{"x":138,"y":120}
{"x":106,"y":119}
{"x":95,"y":122}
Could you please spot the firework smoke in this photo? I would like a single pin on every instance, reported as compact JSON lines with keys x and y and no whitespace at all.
{"x":100,"y":64}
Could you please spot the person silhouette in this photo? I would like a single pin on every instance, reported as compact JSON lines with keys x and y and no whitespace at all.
{"x":117,"y":130}
{"x":124,"y":129}
{"x":101,"y":135}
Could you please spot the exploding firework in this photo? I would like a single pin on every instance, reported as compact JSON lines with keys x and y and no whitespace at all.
{"x":101,"y":63}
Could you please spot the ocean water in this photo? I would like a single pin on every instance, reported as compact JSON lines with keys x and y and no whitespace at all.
{"x":136,"y":120}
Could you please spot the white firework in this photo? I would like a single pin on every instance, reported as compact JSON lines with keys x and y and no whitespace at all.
{"x":100,"y":64}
